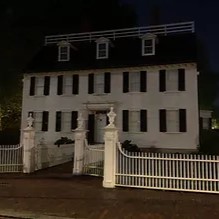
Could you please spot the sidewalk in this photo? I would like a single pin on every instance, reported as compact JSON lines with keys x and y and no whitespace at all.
{"x":44,"y":194}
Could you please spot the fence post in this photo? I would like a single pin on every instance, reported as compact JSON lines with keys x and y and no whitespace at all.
{"x":111,"y":139}
{"x":28,"y":146}
{"x":80,"y":136}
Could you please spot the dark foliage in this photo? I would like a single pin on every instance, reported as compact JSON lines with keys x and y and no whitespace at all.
{"x":130,"y":147}
{"x":64,"y":140}
{"x":9,"y":137}
{"x":209,"y":142}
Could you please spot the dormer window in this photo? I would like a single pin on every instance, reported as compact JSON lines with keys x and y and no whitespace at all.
{"x":102,"y":48}
{"x":64,"y":51}
{"x":148,"y":44}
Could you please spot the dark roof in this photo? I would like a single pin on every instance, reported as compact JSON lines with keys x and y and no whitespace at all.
{"x":124,"y":52}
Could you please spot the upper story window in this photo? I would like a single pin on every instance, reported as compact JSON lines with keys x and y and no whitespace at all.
{"x":102,"y":51}
{"x":134,"y":81}
{"x":172,"y":80}
{"x":148,"y":44}
{"x":99,"y":83}
{"x":64,"y":51}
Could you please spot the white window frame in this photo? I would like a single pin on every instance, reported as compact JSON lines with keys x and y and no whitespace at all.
{"x":102,"y":41}
{"x":134,"y":126}
{"x":66,"y":54}
{"x":145,"y":38}
{"x":174,"y":127}
{"x":66,"y":122}
{"x":136,"y":76}
{"x":67,"y":84}
{"x":99,"y":81}
{"x":172,"y":85}
{"x":39,"y":86}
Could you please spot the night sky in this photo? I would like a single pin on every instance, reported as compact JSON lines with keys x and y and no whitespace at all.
{"x":205,"y":13}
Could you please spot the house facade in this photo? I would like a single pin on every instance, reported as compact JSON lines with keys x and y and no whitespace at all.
{"x":148,"y":74}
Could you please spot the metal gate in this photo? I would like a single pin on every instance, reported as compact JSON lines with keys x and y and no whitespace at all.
{"x":11,"y":158}
{"x":93,"y":160}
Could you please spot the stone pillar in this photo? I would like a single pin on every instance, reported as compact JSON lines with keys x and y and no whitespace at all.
{"x":111,"y":139}
{"x":80,"y":136}
{"x":28,"y":146}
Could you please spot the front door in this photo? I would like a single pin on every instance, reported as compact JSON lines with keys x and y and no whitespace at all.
{"x":100,"y":124}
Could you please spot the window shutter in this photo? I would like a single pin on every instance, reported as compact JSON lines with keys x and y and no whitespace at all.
{"x":32,"y":86}
{"x":91,"y":122}
{"x":60,"y":85}
{"x":125,"y":120}
{"x":46,"y":85}
{"x":143,"y":118}
{"x":143,"y":80}
{"x":45,"y":121}
{"x":107,"y":82}
{"x":181,"y":79}
{"x":74,"y":117}
{"x":75,"y":89}
{"x":58,"y":121}
{"x":182,"y":120}
{"x":163,"y":120}
{"x":125,"y":82}
{"x":91,"y":83}
{"x":162,"y":80}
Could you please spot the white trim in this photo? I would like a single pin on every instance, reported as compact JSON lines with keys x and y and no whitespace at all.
{"x":152,"y":45}
{"x":106,"y":50}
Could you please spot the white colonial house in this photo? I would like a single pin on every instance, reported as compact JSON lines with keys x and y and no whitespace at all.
{"x":148,"y":74}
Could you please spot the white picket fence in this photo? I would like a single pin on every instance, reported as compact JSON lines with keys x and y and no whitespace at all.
{"x":179,"y":172}
{"x":11,"y":158}
{"x":93,"y":159}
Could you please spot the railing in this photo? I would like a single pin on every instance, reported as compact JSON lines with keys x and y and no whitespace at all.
{"x":179,"y":172}
{"x":93,"y":159}
{"x":126,"y":32}
{"x":11,"y":158}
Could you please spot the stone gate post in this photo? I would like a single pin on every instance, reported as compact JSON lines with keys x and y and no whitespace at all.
{"x":111,"y":139}
{"x":28,"y":146}
{"x":80,"y":136}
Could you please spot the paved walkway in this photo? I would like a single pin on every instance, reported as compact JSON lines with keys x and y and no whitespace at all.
{"x":52,"y":193}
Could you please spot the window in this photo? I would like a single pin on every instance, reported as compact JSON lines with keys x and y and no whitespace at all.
{"x":60,"y":85}
{"x":135,"y":121}
{"x":99,"y":83}
{"x":58,"y":121}
{"x":32,"y":86}
{"x":38,"y":121}
{"x":64,"y":53}
{"x":172,"y":120}
{"x":172,"y":80}
{"x":148,"y":44}
{"x":74,"y":121}
{"x":102,"y":48}
{"x":134,"y":81}
{"x":46,"y":85}
{"x":39,"y":86}
{"x":66,"y":121}
{"x":45,"y":121}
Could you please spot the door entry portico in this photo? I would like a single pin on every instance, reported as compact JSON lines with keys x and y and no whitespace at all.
{"x":96,"y":122}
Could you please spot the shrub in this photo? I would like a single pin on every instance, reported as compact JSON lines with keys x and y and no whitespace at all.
{"x":64,"y":140}
{"x":209,"y":142}
{"x":9,"y":137}
{"x":130,"y":147}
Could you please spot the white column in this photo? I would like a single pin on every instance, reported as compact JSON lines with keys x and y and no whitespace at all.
{"x":80,"y":136}
{"x":28,"y":147}
{"x":111,"y":139}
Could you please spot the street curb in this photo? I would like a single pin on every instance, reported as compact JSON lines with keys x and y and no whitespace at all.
{"x":28,"y":215}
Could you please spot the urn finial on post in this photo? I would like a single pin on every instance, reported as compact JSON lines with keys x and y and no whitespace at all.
{"x":30,"y":121}
{"x":111,"y":115}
